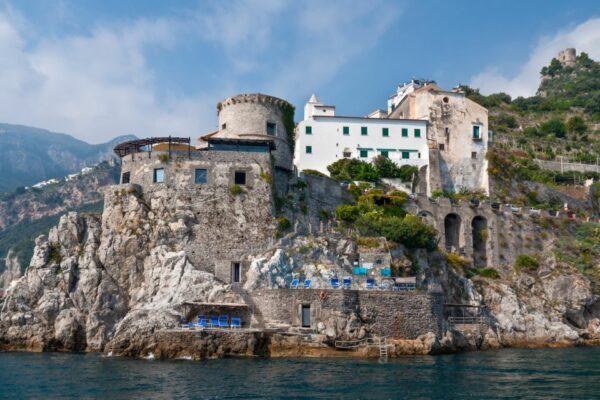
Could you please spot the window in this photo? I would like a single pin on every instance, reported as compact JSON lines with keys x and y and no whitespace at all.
{"x":363,"y":130}
{"x":200,"y":176}
{"x":239,"y":178}
{"x":419,"y":155}
{"x":476,"y":132}
{"x":308,"y":149}
{"x":441,"y":146}
{"x":271,"y":128}
{"x":417,"y":133}
{"x":125,"y":177}
{"x":223,"y":126}
{"x":473,"y":155}
{"x":364,"y":153}
{"x":346,"y":130}
{"x":347,"y":153}
{"x":236,"y":272}
{"x":308,"y":130}
{"x":445,"y":99}
{"x":159,"y":175}
{"x":305,"y":315}
{"x":385,"y":132}
{"x":405,"y":155}
{"x":385,"y":153}
{"x":404,"y":132}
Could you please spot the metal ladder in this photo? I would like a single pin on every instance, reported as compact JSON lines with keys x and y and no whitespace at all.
{"x":383,"y":350}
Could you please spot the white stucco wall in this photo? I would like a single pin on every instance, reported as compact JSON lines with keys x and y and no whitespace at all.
{"x":328,"y":142}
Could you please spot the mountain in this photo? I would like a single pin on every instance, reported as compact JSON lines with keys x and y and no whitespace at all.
{"x":30,"y":155}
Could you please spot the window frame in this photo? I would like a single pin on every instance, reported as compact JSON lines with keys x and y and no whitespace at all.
{"x":196,"y":176}
{"x":308,"y":130}
{"x":308,"y":149}
{"x":126,"y":181}
{"x":364,"y":131}
{"x":385,"y":132}
{"x":155,"y":175}
{"x":404,"y":132}
{"x":239,"y":173}
{"x":365,"y":152}
{"x":407,"y":153}
{"x":274,"y":125}
{"x":345,"y":130}
{"x":417,"y":132}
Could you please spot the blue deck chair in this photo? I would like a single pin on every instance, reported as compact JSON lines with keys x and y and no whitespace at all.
{"x":202,"y":322}
{"x":214,"y":321}
{"x":294,"y":284}
{"x":236,"y":322}
{"x":307,"y":283}
{"x":223,"y":321}
{"x":370,"y":283}
{"x":347,"y":282}
{"x":335,"y":283}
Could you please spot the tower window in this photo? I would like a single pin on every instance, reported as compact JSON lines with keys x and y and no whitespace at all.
{"x":200,"y":176}
{"x":476,"y":135}
{"x":223,"y":126}
{"x":239,"y":178}
{"x":404,"y":132}
{"x":159,"y":175}
{"x":473,"y":154}
{"x":125,"y":177}
{"x":236,"y":272}
{"x":441,"y":146}
{"x":308,"y":130}
{"x":271,"y":128}
{"x":308,"y":149}
{"x":346,"y":130}
{"x":363,"y":130}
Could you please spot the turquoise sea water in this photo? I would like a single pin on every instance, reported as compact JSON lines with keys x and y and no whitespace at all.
{"x":507,"y":374}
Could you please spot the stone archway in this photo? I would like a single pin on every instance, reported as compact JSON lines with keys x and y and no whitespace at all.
{"x":453,"y":232}
{"x":480,"y":236}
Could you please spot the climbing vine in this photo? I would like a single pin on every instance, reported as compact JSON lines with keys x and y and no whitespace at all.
{"x":289,"y":124}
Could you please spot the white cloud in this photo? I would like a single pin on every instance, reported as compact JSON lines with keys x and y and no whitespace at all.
{"x":583,"y":37}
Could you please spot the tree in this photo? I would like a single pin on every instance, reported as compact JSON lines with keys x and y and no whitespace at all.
{"x":554,"y":127}
{"x":554,"y":68}
{"x":348,"y":169}
{"x":576,"y":125}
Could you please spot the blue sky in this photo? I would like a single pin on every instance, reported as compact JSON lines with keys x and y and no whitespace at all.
{"x":105,"y":68}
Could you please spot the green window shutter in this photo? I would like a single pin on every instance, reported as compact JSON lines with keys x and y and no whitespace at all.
{"x":385,"y":132}
{"x":385,"y":153}
{"x":405,"y":155}
{"x":475,"y":132}
{"x":308,"y":149}
{"x":363,"y":130}
{"x":417,"y":133}
{"x":404,"y":132}
{"x":308,"y":130}
{"x":346,"y":130}
{"x":364,"y":154}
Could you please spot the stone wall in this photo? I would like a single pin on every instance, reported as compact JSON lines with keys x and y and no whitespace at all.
{"x":383,"y":313}
{"x":211,"y":224}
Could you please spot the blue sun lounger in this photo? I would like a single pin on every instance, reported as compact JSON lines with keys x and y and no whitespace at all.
{"x":223,"y":321}
{"x":347,"y":282}
{"x":202,"y":322}
{"x":294,"y":284}
{"x":236,"y":322}
{"x":335,"y":283}
{"x":370,"y":283}
{"x":307,"y":283}
{"x":214,"y":321}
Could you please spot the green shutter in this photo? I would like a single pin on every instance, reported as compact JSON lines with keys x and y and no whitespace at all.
{"x":308,"y":149}
{"x":417,"y":133}
{"x":385,"y":132}
{"x":404,"y":132}
{"x":475,"y":132}
{"x":308,"y":130}
{"x":363,"y":130}
{"x":405,"y":155}
{"x":385,"y":153}
{"x":346,"y":130}
{"x":364,"y":154}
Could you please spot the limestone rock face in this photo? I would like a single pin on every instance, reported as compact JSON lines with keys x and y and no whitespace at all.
{"x":11,"y":273}
{"x":95,"y":280}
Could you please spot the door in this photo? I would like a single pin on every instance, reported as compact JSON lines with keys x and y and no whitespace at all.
{"x":306,"y":315}
{"x":236,"y":272}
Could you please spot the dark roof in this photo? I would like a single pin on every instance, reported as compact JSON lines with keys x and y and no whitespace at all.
{"x":138,"y":145}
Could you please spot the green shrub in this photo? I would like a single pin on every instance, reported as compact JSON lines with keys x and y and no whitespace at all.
{"x":164,"y":158}
{"x":54,"y":256}
{"x":525,"y":262}
{"x":457,"y":261}
{"x":283,"y":225}
{"x":576,"y":125}
{"x":266,"y":177}
{"x":236,"y":189}
{"x":487,"y":273}
{"x":323,"y":214}
{"x":351,"y":169}
{"x":369,"y":242}
{"x":313,"y":172}
{"x":347,"y":212}
{"x":554,"y":127}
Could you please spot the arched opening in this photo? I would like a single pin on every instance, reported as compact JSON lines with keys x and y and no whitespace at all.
{"x":347,"y":153}
{"x":427,"y":218}
{"x":452,"y":232}
{"x":480,"y":236}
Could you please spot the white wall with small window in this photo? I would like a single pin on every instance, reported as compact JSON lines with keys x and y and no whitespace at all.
{"x":322,"y":140}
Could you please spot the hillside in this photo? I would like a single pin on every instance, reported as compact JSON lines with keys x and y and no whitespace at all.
{"x":30,"y":155}
{"x":560,"y":123}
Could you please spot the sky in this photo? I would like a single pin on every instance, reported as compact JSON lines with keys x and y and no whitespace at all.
{"x":100,"y":69}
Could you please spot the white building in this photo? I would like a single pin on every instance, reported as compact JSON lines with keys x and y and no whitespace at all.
{"x":322,"y":138}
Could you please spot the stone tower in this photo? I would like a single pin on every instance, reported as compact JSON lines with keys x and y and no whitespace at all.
{"x":259,"y":116}
{"x":567,"y":57}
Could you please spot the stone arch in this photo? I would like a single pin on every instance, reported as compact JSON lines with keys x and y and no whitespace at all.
{"x":480,"y":236}
{"x":453,"y":232}
{"x":427,"y":217}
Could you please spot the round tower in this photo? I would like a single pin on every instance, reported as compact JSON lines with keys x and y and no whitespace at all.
{"x":259,"y":116}
{"x":568,"y":57}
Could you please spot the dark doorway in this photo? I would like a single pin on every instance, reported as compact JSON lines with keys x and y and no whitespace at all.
{"x":236,"y":272}
{"x":452,"y":224}
{"x":480,"y":235}
{"x":306,"y":315}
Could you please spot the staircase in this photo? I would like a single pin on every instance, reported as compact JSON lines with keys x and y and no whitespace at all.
{"x":383,"y":350}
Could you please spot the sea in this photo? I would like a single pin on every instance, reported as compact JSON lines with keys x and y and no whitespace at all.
{"x":572,"y":373}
